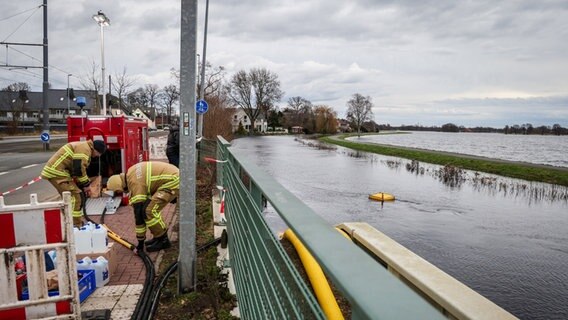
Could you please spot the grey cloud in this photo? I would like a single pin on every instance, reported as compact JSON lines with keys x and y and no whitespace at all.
{"x":555,"y":101}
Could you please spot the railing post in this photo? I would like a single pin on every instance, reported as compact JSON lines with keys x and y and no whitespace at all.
{"x":256,"y":194}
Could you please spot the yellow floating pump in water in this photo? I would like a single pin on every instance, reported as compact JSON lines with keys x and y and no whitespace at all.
{"x":381,"y":196}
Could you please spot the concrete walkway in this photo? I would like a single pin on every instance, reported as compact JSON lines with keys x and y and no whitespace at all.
{"x":121,"y":294}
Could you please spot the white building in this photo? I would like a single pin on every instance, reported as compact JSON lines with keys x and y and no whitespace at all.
{"x":240,"y":117}
{"x":138,"y":113}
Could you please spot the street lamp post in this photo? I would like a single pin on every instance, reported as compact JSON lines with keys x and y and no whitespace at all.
{"x":204,"y":61}
{"x":103,"y":21}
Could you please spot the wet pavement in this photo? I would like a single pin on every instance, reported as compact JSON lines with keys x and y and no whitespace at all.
{"x":122,"y":292}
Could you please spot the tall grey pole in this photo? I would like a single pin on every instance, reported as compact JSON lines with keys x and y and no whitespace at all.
{"x":187,"y":163}
{"x":45,"y":106}
{"x":203,"y":60}
{"x":103,"y":68}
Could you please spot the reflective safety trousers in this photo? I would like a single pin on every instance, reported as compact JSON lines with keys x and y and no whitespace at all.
{"x":144,"y":179}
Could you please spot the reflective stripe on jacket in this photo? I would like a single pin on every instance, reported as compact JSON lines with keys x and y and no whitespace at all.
{"x":61,"y":163}
{"x":146,"y":178}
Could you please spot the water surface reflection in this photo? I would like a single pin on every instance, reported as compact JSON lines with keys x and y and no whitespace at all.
{"x":512,"y":250}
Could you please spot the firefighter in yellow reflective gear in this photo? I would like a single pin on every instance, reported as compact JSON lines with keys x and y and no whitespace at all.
{"x":69,"y":162}
{"x":152,"y":185}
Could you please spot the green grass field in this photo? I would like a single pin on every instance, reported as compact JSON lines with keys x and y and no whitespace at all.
{"x":517,"y":170}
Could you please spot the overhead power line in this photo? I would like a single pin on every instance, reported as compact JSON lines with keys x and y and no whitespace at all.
{"x":28,"y":74}
{"x":28,"y":18}
{"x":38,"y":60}
{"x":19,"y":13}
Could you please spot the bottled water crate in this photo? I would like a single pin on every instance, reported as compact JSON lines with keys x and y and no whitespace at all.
{"x":87,"y":285}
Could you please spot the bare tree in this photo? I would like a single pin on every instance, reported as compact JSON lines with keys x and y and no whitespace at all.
{"x":16,"y":102}
{"x":175,"y":73}
{"x":137,"y":99}
{"x":169,"y":96}
{"x":267,"y":88}
{"x":239,"y":93}
{"x":296,"y":106}
{"x":91,"y":81}
{"x":152,"y":94}
{"x":121,"y":86}
{"x":16,"y":87}
{"x":359,"y":110}
{"x":214,"y":77}
{"x":255,"y":92}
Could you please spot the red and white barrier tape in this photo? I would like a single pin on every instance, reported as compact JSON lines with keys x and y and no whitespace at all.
{"x":208,"y":159}
{"x":222,"y":207}
{"x":34,"y":180}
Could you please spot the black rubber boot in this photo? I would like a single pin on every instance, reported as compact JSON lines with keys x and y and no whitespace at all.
{"x":161,"y":243}
{"x":151,"y":241}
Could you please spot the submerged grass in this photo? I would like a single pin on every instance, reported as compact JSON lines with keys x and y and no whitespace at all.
{"x":503,"y":168}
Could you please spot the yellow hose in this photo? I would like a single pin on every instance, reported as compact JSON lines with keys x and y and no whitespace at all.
{"x":321,"y":287}
{"x":118,"y":239}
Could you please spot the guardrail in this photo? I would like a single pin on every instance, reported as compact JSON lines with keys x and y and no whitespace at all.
{"x":29,"y":230}
{"x":268,"y":285}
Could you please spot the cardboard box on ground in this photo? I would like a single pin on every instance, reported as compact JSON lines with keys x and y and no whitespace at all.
{"x":110,"y":254}
{"x":94,"y":189}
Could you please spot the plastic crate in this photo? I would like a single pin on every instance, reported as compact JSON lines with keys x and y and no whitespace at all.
{"x":87,"y":285}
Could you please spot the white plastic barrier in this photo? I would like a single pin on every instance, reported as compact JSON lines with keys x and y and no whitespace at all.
{"x":30,"y":230}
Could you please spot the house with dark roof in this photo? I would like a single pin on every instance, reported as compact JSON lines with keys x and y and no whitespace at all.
{"x":23,"y":112}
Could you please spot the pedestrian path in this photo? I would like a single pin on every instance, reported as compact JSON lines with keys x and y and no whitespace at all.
{"x":122,"y":292}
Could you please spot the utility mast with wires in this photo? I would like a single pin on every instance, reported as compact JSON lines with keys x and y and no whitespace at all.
{"x":45,"y":85}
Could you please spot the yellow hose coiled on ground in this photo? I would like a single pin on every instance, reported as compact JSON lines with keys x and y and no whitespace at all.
{"x":322,"y":290}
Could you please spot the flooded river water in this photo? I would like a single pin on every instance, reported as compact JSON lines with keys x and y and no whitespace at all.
{"x":510,"y":246}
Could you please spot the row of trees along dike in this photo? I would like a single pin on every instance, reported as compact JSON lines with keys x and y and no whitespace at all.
{"x":555,"y":129}
{"x":257,"y":92}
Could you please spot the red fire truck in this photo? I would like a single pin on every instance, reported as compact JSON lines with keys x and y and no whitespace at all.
{"x":126,"y":138}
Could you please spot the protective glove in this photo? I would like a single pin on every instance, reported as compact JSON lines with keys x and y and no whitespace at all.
{"x":83,"y":185}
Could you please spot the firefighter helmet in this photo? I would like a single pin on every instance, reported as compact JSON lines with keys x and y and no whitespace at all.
{"x":116,"y":183}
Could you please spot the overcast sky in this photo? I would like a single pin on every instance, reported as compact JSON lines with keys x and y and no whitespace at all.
{"x":472,"y":63}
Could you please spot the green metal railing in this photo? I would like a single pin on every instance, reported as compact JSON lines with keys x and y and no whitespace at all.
{"x":268,"y":285}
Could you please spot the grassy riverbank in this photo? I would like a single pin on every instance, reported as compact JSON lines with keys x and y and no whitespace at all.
{"x":511,"y":169}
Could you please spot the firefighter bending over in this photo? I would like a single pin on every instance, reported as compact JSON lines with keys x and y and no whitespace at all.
{"x":152,"y":185}
{"x":71,"y":161}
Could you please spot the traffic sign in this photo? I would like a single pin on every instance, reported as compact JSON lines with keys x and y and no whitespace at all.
{"x":201,"y":106}
{"x":44,"y":137}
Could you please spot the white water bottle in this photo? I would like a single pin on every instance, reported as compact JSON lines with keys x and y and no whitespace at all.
{"x":90,"y":226}
{"x":83,"y":239}
{"x":99,"y":237}
{"x":100,"y":265}
{"x":85,"y":264}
